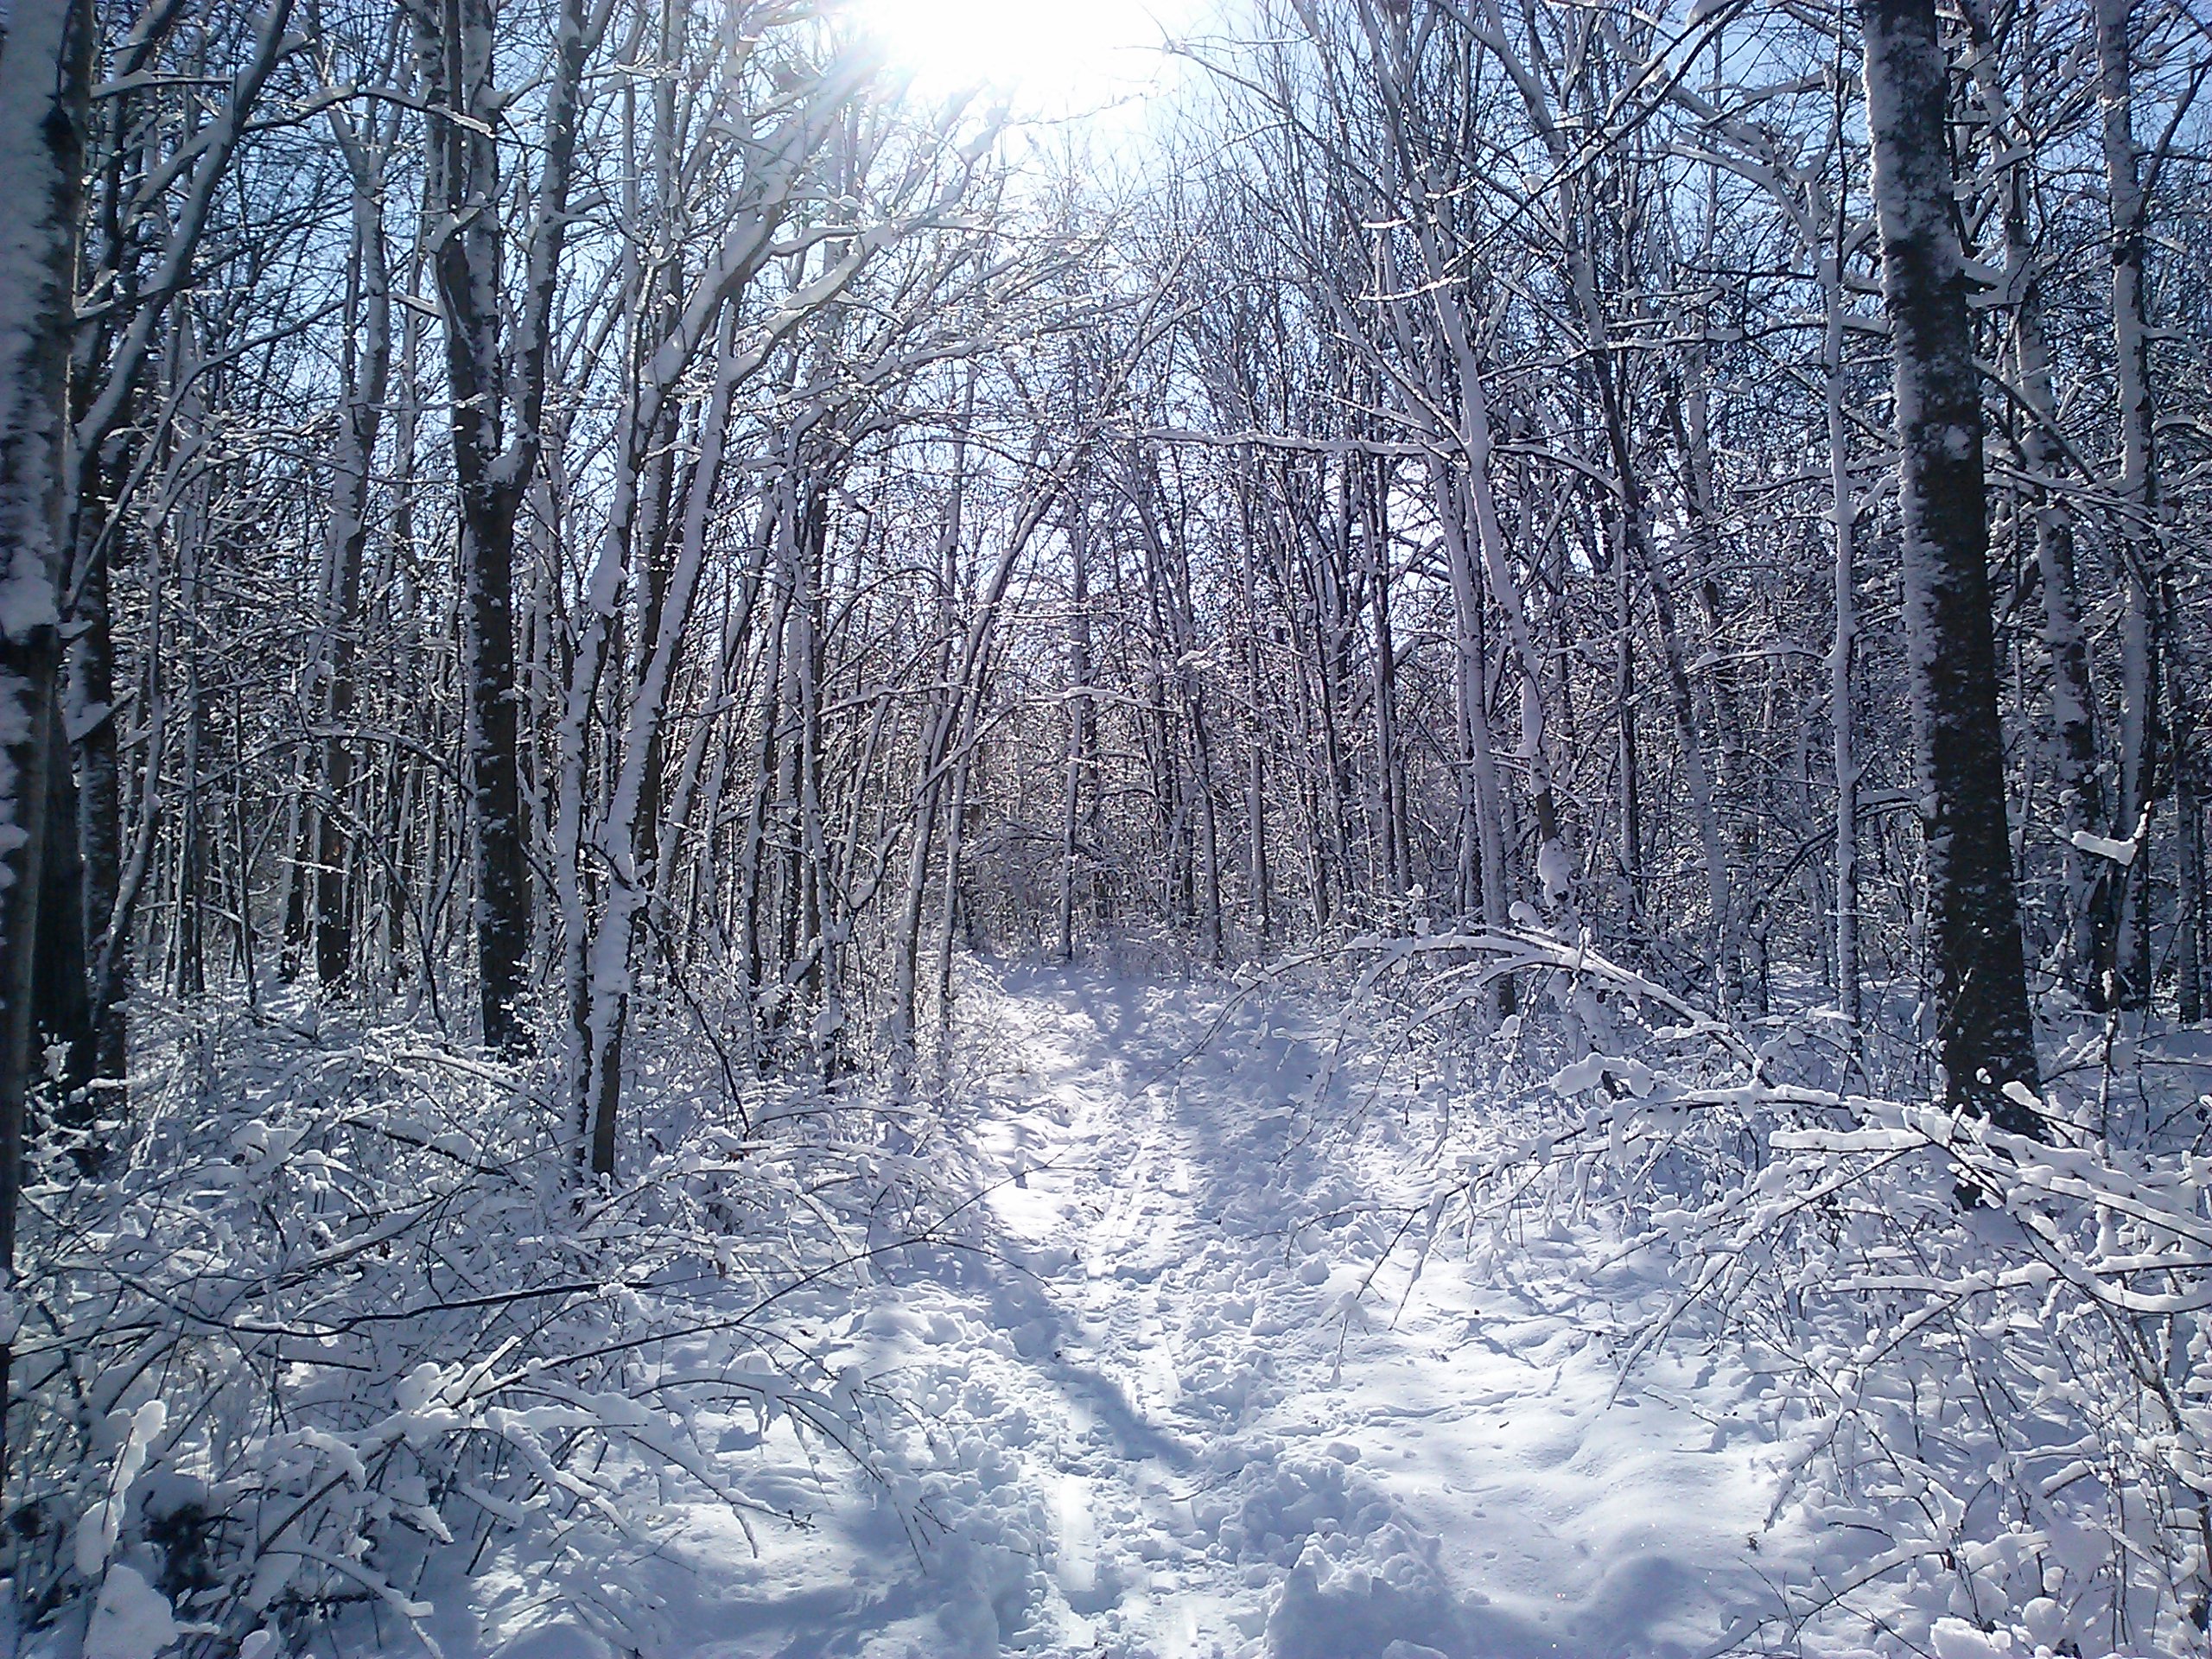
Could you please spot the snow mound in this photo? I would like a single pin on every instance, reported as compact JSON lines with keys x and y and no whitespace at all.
{"x":131,"y":1620}
{"x":1364,"y":1581}
{"x":1379,"y":1593}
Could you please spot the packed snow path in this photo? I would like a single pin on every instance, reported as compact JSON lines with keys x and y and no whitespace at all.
{"x":1171,"y":1408}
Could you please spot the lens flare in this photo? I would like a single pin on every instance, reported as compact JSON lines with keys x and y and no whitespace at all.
{"x":1051,"y":58}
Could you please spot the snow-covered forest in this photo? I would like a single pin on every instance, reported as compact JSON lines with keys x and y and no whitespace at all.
{"x":1386,"y":843}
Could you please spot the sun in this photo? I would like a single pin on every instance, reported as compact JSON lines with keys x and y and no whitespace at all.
{"x":1052,"y":56}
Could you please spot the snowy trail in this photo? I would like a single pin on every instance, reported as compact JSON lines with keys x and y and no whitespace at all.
{"x":1158,"y":1417}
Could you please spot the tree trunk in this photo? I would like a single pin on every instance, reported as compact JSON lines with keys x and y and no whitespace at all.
{"x":1842,"y":711}
{"x":2188,"y":883}
{"x":91,"y":703}
{"x":2087,"y":917}
{"x":1985,"y":1036}
{"x":60,"y":982}
{"x":1080,"y":767}
{"x":367,"y":371}
{"x":467,"y":276}
{"x":1474,"y":442}
{"x":494,"y":465}
{"x":2129,"y":967}
{"x":45,"y":80}
{"x":1626,"y":761}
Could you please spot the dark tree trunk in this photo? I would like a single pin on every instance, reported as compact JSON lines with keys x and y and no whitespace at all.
{"x":467,"y":271}
{"x":498,"y":390}
{"x":62,"y":1004}
{"x":100,"y":805}
{"x":2128,"y":969}
{"x":1985,"y":1035}
{"x":367,"y":370}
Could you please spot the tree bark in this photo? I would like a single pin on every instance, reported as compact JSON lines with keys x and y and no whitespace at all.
{"x":368,"y":360}
{"x":2128,"y":967}
{"x":1842,"y":711}
{"x":1985,"y":1035}
{"x":2087,"y":919}
{"x":496,"y":383}
{"x":61,"y":983}
{"x":1080,"y":775}
{"x":45,"y":80}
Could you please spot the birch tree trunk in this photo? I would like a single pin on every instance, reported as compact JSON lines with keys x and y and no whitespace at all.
{"x":45,"y":72}
{"x":1985,"y":1037}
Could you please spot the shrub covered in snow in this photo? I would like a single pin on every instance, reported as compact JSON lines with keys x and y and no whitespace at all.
{"x":1995,"y":1346}
{"x":339,"y":1303}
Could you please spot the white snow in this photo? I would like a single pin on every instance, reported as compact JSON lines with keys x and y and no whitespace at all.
{"x":97,"y":1531}
{"x":131,"y":1619}
{"x":1179,"y":1392}
{"x":2121,"y":853}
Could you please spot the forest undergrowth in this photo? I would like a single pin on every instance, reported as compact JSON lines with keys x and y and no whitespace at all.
{"x":339,"y":1303}
{"x":1991,"y":1344}
{"x":338,"y":1319}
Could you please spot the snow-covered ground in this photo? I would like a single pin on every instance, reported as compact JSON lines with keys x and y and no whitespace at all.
{"x":1178,"y":1391}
